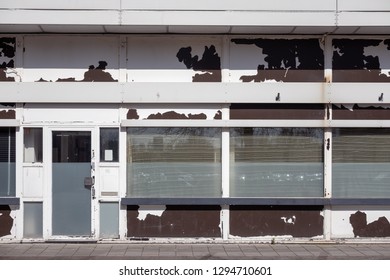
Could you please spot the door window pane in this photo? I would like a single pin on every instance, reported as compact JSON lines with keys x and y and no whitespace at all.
{"x":174,"y":162}
{"x":109,"y":144}
{"x":7,"y":161}
{"x":276,"y":162}
{"x":71,"y":146}
{"x":361,"y":163}
{"x":33,"y":145}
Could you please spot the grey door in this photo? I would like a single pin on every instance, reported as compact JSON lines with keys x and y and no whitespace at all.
{"x":71,"y":199}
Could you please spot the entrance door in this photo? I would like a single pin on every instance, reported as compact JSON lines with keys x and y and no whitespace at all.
{"x":72,"y":183}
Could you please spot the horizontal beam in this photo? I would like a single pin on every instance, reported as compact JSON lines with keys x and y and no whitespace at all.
{"x":255,"y":201}
{"x":9,"y":123}
{"x":9,"y":201}
{"x":181,"y":92}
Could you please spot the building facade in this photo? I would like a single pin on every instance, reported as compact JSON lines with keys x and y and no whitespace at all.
{"x":211,"y":121}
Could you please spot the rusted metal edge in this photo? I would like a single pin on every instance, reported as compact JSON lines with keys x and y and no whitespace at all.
{"x":254,"y":201}
{"x":9,"y":201}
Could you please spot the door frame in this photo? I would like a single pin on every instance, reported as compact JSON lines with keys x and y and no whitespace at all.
{"x":94,"y":202}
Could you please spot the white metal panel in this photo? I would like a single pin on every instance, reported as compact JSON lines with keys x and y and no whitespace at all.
{"x":9,"y":122}
{"x":33,"y":181}
{"x":109,"y":179}
{"x":363,"y":5}
{"x":228,"y":18}
{"x":74,"y":113}
{"x":98,"y":92}
{"x":360,"y":93}
{"x":61,"y":57}
{"x":153,"y":59}
{"x":281,"y":5}
{"x":63,"y":17}
{"x":61,"y":4}
{"x":224,"y":123}
{"x":364,"y":19}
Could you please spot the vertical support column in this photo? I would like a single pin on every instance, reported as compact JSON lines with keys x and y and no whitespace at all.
{"x":328,"y":55}
{"x":19,"y":139}
{"x":225,"y":215}
{"x":122,"y":141}
{"x":225,"y":68}
{"x":19,"y":174}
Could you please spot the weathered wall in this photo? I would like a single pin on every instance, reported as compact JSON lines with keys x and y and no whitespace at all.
{"x":360,"y":222}
{"x":7,"y":58}
{"x":262,"y":221}
{"x":6,"y":221}
{"x":173,"y":221}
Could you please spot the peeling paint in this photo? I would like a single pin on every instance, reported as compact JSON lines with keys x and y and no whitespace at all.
{"x":154,"y":210}
{"x":93,"y":74}
{"x":175,"y":221}
{"x":357,"y":111}
{"x":246,"y":221}
{"x":7,"y":114}
{"x":358,"y":60}
{"x":210,"y":64}
{"x":286,"y":60}
{"x":174,"y":116}
{"x":378,"y":228}
{"x":7,"y":54}
{"x":132,"y":114}
{"x":6,"y":220}
{"x":218,"y":115}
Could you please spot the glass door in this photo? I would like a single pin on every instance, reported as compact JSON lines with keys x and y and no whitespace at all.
{"x":71,"y":183}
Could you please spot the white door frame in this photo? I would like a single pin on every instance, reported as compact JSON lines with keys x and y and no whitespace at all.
{"x":94,"y":202}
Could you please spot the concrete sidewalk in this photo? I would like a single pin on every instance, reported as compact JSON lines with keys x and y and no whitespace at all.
{"x":201,"y":251}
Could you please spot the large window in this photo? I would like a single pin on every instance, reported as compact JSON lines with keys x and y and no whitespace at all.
{"x":174,"y":162}
{"x":7,"y":161}
{"x":276,"y":162}
{"x":361,"y":163}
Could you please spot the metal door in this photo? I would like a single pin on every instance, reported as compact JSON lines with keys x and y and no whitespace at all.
{"x":71,"y":183}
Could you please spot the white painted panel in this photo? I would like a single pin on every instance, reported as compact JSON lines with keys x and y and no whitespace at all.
{"x":64,"y":17}
{"x":153,"y":59}
{"x":109,"y":179}
{"x":364,"y":19}
{"x":55,"y":113}
{"x":341,"y":226}
{"x":281,"y":5}
{"x":61,"y":4}
{"x":364,"y":5}
{"x":60,"y":57}
{"x":32,"y":181}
